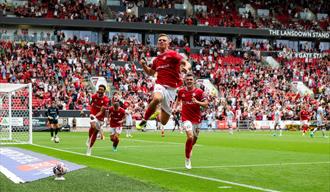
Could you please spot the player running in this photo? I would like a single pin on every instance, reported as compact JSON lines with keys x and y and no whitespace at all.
{"x":168,"y":65}
{"x":277,"y":119}
{"x":98,"y":104}
{"x":320,"y":121}
{"x":129,"y":121}
{"x":192,"y":99}
{"x":116,"y":118}
{"x":230,"y":118}
{"x":304,"y":119}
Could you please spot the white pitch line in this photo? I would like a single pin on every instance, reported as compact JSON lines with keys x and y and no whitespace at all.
{"x":165,"y":142}
{"x":224,"y":187}
{"x":165,"y":170}
{"x":252,"y":165}
{"x":110,"y":147}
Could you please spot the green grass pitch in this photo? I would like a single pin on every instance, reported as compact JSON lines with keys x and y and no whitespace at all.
{"x":245,"y":161}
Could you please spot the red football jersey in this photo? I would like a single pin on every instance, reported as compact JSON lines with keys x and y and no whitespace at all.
{"x":304,"y":115}
{"x":191,"y":111}
{"x":167,"y":66}
{"x":116,"y":116}
{"x":97,"y":103}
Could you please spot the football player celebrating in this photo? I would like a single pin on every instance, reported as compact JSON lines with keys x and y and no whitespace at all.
{"x":116,"y":119}
{"x":98,"y":104}
{"x":168,"y":65}
{"x":191,"y":99}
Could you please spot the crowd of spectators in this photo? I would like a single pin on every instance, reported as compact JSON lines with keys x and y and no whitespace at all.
{"x":161,"y":4}
{"x":62,"y":72}
{"x":225,"y":16}
{"x":282,"y":15}
{"x":69,"y":9}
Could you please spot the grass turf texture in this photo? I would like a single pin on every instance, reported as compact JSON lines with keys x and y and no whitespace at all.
{"x":252,"y":158}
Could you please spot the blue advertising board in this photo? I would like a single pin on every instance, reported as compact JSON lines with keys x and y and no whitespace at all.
{"x":22,"y":166}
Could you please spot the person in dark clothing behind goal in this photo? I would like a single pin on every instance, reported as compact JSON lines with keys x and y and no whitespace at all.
{"x":53,"y":115}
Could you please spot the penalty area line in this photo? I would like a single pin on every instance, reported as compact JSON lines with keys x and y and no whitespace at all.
{"x":164,"y":170}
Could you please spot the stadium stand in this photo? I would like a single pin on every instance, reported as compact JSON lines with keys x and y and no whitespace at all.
{"x":233,"y":64}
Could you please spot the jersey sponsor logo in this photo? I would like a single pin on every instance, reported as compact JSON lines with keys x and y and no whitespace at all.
{"x":188,"y":102}
{"x":163,"y":66}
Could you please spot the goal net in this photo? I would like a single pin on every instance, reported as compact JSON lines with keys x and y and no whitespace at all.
{"x":15,"y":113}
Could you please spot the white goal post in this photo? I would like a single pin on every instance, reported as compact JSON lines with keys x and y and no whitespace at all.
{"x":15,"y":113}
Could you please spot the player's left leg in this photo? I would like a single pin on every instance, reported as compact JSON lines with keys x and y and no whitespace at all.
{"x":230,"y":127}
{"x":318,"y":126}
{"x":162,"y":130}
{"x":280,"y":129}
{"x":302,"y":127}
{"x":50,"y":126}
{"x":156,"y":99}
{"x":92,"y":135}
{"x":114,"y":137}
{"x":56,"y":129}
{"x":312,"y":133}
{"x":167,"y":99}
{"x":115,"y":142}
{"x":100,"y":134}
{"x":180,"y":128}
{"x":127,"y":130}
{"x":163,"y":117}
{"x":275,"y":129}
{"x":323,"y":129}
{"x":52,"y":133}
{"x":188,"y":148}
{"x":176,"y":124}
{"x":196,"y":133}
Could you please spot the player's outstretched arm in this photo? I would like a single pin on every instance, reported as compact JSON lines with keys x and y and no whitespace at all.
{"x":145,"y":67}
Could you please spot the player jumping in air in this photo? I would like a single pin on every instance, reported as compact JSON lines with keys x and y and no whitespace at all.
{"x":168,"y":65}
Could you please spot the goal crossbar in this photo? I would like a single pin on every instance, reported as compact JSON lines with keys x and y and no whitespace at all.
{"x":15,"y":113}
